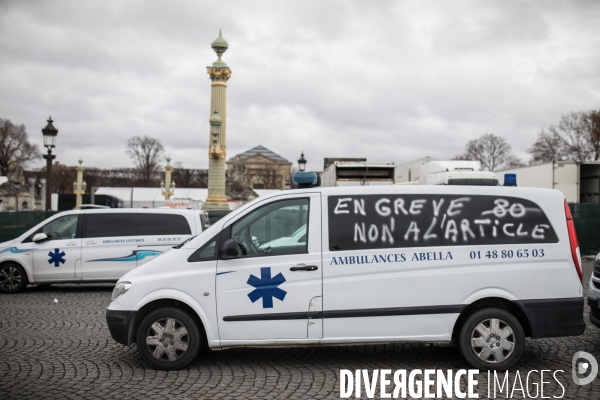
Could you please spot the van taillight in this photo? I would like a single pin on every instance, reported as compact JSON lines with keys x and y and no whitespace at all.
{"x":574,"y":242}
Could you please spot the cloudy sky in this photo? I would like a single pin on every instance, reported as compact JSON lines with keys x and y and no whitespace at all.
{"x":386,"y":80}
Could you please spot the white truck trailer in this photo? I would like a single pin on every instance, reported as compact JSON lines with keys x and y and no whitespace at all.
{"x":579,"y":182}
{"x":428,"y":171}
{"x":352,"y":173}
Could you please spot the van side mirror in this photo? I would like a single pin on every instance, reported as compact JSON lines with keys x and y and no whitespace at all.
{"x":40,"y":237}
{"x":229,"y":250}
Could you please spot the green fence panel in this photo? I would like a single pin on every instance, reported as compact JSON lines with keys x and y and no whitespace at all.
{"x":587,"y":224}
{"x":13,"y":224}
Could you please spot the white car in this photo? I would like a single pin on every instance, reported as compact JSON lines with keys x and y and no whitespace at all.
{"x":481,"y":267}
{"x":93,"y":245}
{"x":297,"y":238}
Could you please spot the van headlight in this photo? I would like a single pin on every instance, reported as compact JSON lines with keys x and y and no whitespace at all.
{"x":120,"y":290}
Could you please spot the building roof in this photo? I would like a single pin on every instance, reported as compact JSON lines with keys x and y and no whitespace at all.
{"x":262,"y":151}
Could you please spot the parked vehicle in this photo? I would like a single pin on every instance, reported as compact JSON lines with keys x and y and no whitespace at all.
{"x":93,"y":245}
{"x":594,"y":293}
{"x":480,"y":267}
{"x":358,"y":173}
{"x":427,"y":171}
{"x":298,"y":238}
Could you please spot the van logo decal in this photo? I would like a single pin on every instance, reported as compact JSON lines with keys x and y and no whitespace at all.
{"x":266,"y":287}
{"x":134,"y":256}
{"x":56,"y":257}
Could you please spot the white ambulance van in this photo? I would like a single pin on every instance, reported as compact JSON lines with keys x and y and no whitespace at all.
{"x":93,"y":245}
{"x":481,"y":267}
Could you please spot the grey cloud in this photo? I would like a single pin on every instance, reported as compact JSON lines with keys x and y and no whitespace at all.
{"x":387,"y":80}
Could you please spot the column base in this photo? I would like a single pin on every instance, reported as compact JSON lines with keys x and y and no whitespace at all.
{"x":219,"y":203}
{"x":216,"y":207}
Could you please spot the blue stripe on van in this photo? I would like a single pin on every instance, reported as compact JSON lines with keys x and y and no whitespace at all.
{"x":134,"y":256}
{"x":12,"y":250}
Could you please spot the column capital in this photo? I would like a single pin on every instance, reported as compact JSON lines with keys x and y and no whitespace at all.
{"x":220,"y":74}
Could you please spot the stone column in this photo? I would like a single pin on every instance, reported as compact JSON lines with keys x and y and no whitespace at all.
{"x":79,"y":190}
{"x":219,"y":74}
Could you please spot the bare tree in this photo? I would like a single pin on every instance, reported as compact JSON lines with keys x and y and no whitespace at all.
{"x":146,"y":153}
{"x":15,"y":149}
{"x":492,"y":151}
{"x":190,"y":178}
{"x":547,"y":147}
{"x":576,"y":137}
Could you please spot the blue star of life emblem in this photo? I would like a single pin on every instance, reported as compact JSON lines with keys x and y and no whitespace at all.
{"x":56,"y":257}
{"x":266,"y":287}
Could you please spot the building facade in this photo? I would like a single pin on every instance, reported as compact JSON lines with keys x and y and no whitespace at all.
{"x":260,"y":168}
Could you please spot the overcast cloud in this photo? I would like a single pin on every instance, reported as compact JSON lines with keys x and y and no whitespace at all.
{"x":386,"y":80}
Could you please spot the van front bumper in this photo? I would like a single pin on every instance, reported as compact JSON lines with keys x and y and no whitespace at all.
{"x":119,"y":324}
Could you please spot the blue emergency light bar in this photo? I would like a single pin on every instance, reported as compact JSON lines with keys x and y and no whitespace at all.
{"x":303,"y":180}
{"x":510,"y":179}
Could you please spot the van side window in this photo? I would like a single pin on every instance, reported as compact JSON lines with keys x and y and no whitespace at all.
{"x":110,"y":225}
{"x":61,"y":228}
{"x":207,"y":252}
{"x":373,"y":222}
{"x":388,"y":221}
{"x":162,"y":224}
{"x":277,"y":228}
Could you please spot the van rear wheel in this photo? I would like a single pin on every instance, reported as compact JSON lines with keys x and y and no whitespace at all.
{"x":168,"y":339}
{"x":13,"y":278}
{"x":491,"y":339}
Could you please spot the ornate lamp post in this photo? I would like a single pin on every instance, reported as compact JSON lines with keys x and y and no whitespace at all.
{"x":168,"y":186}
{"x":79,"y":185}
{"x":49,"y":133}
{"x":17,"y":185}
{"x":302,"y":163}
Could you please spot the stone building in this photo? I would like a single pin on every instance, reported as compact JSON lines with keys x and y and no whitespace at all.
{"x":260,"y":168}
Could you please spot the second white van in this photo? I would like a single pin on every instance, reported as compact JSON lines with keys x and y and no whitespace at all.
{"x":95,"y":245}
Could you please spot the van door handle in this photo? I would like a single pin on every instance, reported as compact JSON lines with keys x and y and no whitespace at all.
{"x":302,"y":267}
{"x":90,"y":242}
{"x":72,"y":244}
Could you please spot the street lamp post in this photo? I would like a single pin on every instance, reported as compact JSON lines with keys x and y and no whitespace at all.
{"x":168,"y":186}
{"x":49,"y":133}
{"x":302,"y":162}
{"x":17,"y":185}
{"x":79,"y":185}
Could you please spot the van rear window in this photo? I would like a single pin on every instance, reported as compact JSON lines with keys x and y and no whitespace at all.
{"x":162,"y":224}
{"x":382,"y":221}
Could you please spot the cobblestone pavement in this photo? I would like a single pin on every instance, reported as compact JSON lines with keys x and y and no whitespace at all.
{"x":64,"y":350}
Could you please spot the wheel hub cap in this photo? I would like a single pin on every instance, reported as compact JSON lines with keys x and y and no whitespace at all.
{"x":493,"y":340}
{"x":10,"y":278}
{"x":167,"y":339}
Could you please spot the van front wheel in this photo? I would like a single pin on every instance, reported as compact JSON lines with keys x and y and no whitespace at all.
{"x":492,"y":339}
{"x":168,"y":339}
{"x":13,"y":278}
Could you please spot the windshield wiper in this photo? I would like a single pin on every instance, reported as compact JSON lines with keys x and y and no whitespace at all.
{"x":180,"y":245}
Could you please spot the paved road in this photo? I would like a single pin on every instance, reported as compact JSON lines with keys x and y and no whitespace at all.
{"x":64,"y":350}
